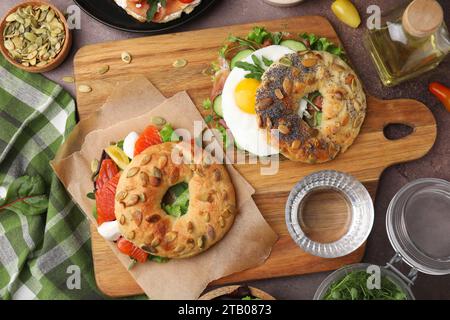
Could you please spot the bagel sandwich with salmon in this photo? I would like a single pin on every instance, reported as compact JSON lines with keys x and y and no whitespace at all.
{"x":158,"y":11}
{"x":157,"y":206}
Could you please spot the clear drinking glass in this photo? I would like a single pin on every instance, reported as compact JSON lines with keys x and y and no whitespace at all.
{"x":359,"y":203}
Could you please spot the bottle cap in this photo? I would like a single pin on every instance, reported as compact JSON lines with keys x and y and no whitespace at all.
{"x":422,"y":18}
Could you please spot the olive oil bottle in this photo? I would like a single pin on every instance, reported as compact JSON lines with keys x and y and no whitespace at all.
{"x":412,"y":40}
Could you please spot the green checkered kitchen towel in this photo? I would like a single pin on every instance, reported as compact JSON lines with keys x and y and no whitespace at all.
{"x":45,"y":250}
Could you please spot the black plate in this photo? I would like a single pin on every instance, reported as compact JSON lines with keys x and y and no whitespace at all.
{"x":109,"y":13}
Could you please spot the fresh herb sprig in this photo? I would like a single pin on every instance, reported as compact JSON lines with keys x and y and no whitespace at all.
{"x":254,"y":40}
{"x":260,"y":35}
{"x":314,"y":42}
{"x":257,"y":68}
{"x":154,"y":8}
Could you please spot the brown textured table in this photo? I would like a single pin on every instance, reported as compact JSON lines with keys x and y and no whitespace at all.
{"x":435,"y":164}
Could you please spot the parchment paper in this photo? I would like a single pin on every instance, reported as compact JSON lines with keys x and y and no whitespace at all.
{"x":247,"y":244}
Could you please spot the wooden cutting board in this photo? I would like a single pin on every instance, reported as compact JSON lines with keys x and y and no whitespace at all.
{"x":366,"y":159}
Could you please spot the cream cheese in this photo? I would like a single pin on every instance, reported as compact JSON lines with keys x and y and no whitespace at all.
{"x":109,"y":230}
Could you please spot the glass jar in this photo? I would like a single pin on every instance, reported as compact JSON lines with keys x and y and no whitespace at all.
{"x":417,"y":222}
{"x":411,"y":40}
{"x":341,"y":273}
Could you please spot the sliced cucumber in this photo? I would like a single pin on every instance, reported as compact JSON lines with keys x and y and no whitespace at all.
{"x":241,"y":55}
{"x":293,"y":45}
{"x":218,"y":106}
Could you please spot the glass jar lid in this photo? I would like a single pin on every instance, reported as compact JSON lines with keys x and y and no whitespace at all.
{"x":418,"y":224}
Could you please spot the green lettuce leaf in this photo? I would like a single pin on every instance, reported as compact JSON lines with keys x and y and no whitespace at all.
{"x":168,"y":134}
{"x":180,"y":206}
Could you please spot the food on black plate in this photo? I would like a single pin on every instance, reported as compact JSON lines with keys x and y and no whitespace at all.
{"x":159,"y":11}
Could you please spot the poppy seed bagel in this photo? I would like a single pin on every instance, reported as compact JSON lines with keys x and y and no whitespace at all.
{"x":140,"y":192}
{"x":296,"y":75}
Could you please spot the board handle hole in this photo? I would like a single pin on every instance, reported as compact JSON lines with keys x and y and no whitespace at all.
{"x":396,"y":131}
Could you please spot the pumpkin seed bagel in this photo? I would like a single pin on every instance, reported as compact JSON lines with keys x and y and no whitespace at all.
{"x":296,"y":75}
{"x":140,"y":192}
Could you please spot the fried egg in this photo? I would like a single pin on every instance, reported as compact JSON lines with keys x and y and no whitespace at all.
{"x":239,"y":101}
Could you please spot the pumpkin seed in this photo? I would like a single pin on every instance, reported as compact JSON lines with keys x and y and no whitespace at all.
{"x":179,"y":63}
{"x":121,"y":195}
{"x":149,"y":249}
{"x":9,"y":45}
{"x":68,"y":79}
{"x":287,"y":85}
{"x":132,"y":172}
{"x":156,"y":242}
{"x":146,"y":159}
{"x":158,"y":121}
{"x":171,"y":236}
{"x":157,"y":172}
{"x":153,"y":218}
{"x":179,"y":249}
{"x":155,"y":182}
{"x":201,"y":242}
{"x":295,"y":144}
{"x":126,"y":57}
{"x":103,"y":69}
{"x":283,"y":129}
{"x":132,"y":200}
{"x":84,"y":88}
{"x":50,"y":16}
{"x":12,"y":17}
{"x":190,"y":243}
{"x":211,"y":232}
{"x":122,"y":220}
{"x":144,"y":178}
{"x":286,"y":61}
{"x":190,"y":227}
{"x":137,"y":217}
{"x":310,"y":62}
{"x":217,"y":175}
{"x":222,"y":221}
{"x":30,"y":36}
{"x":265,"y":103}
{"x":279,"y":94}
{"x":94,"y":165}
{"x":162,"y":162}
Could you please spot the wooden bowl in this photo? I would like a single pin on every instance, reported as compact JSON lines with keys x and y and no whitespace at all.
{"x":229,"y":289}
{"x":62,"y":55}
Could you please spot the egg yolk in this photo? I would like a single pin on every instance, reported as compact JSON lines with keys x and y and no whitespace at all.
{"x":245,"y":95}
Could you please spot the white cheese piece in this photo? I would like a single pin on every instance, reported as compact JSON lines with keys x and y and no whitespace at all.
{"x":302,"y":109}
{"x":122,"y":3}
{"x":109,"y":230}
{"x":128,"y":144}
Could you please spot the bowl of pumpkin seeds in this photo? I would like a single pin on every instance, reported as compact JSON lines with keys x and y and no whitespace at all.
{"x":35,"y":36}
